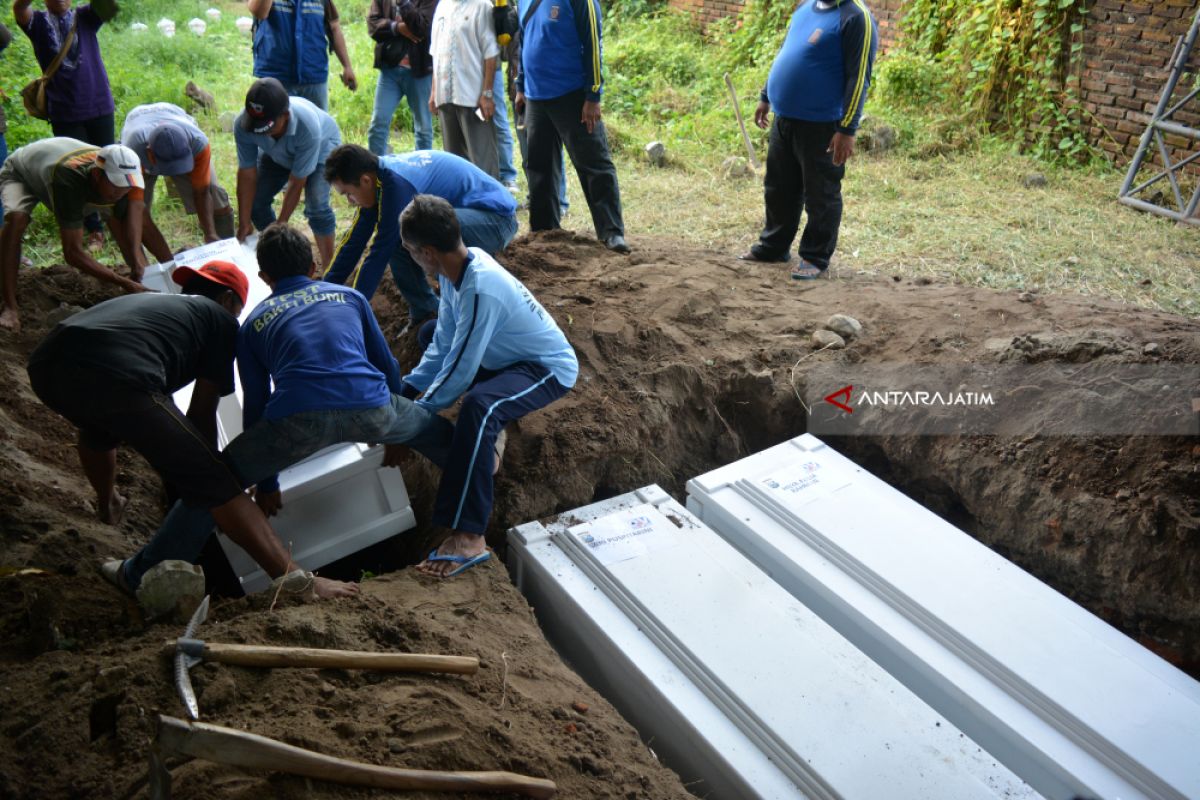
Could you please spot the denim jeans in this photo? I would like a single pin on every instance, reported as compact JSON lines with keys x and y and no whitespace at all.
{"x":486,"y":230}
{"x":504,"y":137}
{"x":272,"y":178}
{"x":270,"y":446}
{"x":396,"y":83}
{"x":315,"y":93}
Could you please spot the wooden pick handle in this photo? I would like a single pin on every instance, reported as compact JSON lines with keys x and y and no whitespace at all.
{"x":250,"y":655}
{"x":251,"y":751}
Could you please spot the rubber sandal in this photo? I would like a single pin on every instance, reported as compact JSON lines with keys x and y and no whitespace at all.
{"x":804,"y":271}
{"x":752,"y":256}
{"x":464,"y":562}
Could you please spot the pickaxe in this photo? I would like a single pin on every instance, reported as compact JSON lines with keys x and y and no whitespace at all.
{"x":189,"y":652}
{"x":249,"y":751}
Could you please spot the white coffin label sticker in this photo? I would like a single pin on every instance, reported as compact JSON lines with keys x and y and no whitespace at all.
{"x":626,"y":534}
{"x":802,"y":482}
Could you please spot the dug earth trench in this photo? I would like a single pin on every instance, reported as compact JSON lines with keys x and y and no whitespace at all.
{"x":689,"y":359}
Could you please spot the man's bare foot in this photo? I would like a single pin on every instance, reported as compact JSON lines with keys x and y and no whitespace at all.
{"x":457,"y":552}
{"x":10,"y":320}
{"x":327,"y":588}
{"x":113,"y":511}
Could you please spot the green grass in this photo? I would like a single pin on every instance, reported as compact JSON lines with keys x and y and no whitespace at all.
{"x":945,"y":203}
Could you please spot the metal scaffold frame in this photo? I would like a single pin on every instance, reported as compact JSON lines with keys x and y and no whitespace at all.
{"x":1184,"y":211}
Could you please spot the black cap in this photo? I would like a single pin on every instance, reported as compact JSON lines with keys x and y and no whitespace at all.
{"x":265,"y":102}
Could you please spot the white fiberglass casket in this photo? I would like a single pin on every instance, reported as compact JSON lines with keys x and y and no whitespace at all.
{"x":1061,"y":698}
{"x":337,"y":501}
{"x":738,"y":686}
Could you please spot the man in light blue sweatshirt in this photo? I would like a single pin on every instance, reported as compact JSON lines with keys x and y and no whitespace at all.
{"x":494,"y":346}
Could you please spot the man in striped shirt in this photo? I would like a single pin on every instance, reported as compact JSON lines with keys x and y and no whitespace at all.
{"x":816,"y":87}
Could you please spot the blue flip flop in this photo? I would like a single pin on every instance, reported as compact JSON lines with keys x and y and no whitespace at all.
{"x":464,"y":562}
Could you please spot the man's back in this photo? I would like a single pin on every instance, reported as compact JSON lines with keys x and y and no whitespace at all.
{"x":154,"y":342}
{"x":319,"y":344}
{"x":451,"y":177}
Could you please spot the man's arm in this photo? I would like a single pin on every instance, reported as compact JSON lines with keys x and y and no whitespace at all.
{"x":23,"y":13}
{"x":338,"y":39}
{"x":487,"y":105}
{"x":859,"y":43}
{"x":377,"y":350}
{"x":481,"y":315}
{"x":247,"y":182}
{"x":202,"y":411}
{"x":291,"y":196}
{"x":260,"y":9}
{"x":204,"y":214}
{"x":435,"y":355}
{"x":75,"y":254}
{"x":142,"y":230}
{"x":587,"y":25}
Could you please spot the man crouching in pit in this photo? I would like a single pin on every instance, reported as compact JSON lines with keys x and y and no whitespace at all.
{"x":316,"y":371}
{"x":493,"y":345}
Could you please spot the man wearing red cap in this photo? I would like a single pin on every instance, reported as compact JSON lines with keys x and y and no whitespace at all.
{"x":111,"y":371}
{"x":72,"y":179}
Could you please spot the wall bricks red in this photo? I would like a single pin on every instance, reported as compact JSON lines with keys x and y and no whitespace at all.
{"x":1126,"y":60}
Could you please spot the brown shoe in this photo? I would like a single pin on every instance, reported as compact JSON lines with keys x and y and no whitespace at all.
{"x":753,"y":256}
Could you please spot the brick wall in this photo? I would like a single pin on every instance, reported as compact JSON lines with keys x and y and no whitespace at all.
{"x":1127,"y":53}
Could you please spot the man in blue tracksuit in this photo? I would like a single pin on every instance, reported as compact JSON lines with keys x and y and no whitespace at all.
{"x":559,"y":84}
{"x":381,"y":188}
{"x":335,"y":380}
{"x":817,"y":87}
{"x":494,"y":346}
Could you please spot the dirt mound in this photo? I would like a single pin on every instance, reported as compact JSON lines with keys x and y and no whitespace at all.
{"x":686,"y":362}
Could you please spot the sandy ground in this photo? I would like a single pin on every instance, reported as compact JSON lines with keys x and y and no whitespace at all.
{"x":686,"y":361}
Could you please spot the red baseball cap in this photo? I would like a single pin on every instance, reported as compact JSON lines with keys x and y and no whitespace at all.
{"x":225,"y":273}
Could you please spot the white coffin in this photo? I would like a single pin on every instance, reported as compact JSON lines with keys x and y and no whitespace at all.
{"x":734,"y":682}
{"x":337,"y":501}
{"x":1064,"y":700}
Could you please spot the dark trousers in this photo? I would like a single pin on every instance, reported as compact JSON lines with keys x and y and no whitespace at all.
{"x":466,"y":449}
{"x":549,"y":124}
{"x":98,"y":131}
{"x":801,"y":177}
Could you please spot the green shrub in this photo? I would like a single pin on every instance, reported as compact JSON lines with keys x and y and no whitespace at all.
{"x":909,"y":80}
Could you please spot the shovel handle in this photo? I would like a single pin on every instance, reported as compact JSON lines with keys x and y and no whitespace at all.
{"x":251,"y":751}
{"x":253,"y":655}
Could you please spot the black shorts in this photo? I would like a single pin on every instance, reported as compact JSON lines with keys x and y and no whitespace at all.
{"x":108,"y":412}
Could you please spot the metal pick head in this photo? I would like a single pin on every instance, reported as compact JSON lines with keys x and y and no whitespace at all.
{"x":198,"y":617}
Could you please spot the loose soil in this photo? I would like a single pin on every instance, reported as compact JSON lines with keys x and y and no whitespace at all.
{"x":686,"y":363}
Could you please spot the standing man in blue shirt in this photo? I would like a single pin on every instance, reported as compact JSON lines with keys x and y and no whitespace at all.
{"x":494,"y":346}
{"x":284,"y":141}
{"x":291,"y":38}
{"x":316,"y":371}
{"x":817,"y":87}
{"x":380,"y":188}
{"x":559,"y":84}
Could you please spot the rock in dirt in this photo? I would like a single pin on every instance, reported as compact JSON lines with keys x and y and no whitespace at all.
{"x":827,"y":339}
{"x":1026,"y":297}
{"x":736,"y":167}
{"x":844,"y":326}
{"x":878,"y":139}
{"x":656,"y":153}
{"x":171,"y":589}
{"x":199,"y":96}
{"x":63,"y":311}
{"x":1034,"y":180}
{"x":1152,"y":349}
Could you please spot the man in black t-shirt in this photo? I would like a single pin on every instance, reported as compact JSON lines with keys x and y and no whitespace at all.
{"x":111,"y":371}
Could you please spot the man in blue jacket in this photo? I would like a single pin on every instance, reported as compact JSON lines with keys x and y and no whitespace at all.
{"x":316,"y":371}
{"x":496,"y":348}
{"x":817,"y":87}
{"x":381,"y":188}
{"x":291,"y":39}
{"x":559,"y":85}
